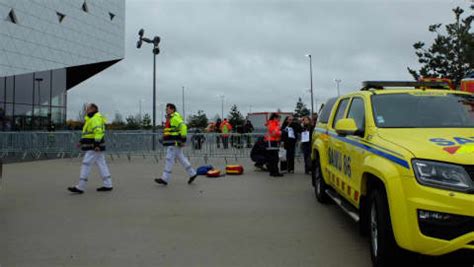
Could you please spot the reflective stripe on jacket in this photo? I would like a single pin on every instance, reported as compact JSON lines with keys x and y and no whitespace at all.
{"x":226,"y":128}
{"x":175,"y":131}
{"x":93,"y":132}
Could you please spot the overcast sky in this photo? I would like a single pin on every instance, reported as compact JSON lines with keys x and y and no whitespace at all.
{"x":253,"y":52}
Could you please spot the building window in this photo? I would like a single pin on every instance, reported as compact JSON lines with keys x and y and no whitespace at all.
{"x":9,"y":89}
{"x":112,"y":15}
{"x":85,"y":7}
{"x":24,"y":89}
{"x":61,"y":16}
{"x":2,"y":89}
{"x":12,"y":17}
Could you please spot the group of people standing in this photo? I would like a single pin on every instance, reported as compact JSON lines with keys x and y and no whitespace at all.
{"x":224,"y":129}
{"x":287,"y":136}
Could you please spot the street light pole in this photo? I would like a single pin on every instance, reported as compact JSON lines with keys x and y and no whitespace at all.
{"x":140,"y":108}
{"x":154,"y":101}
{"x":311,"y":82}
{"x":184,"y":110}
{"x":162,"y":113}
{"x":38,"y":80}
{"x":338,"y":81}
{"x":156,"y":50}
{"x":222,"y":106}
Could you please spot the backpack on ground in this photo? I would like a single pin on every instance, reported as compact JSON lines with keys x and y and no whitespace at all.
{"x":234,"y":169}
{"x":214,"y":173}
{"x":204,"y":169}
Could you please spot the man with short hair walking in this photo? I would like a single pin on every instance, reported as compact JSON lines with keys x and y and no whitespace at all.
{"x":174,"y":137}
{"x":93,"y":143}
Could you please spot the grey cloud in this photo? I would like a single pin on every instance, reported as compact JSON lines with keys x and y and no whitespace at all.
{"x":254,"y":51}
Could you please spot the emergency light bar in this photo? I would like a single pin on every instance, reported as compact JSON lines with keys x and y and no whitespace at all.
{"x":379,"y":85}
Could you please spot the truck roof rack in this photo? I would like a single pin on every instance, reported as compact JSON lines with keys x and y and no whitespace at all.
{"x":380,"y":85}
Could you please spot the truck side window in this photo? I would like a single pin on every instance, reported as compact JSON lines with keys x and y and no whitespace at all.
{"x":357,"y":112}
{"x":325,"y":112}
{"x":340,"y":111}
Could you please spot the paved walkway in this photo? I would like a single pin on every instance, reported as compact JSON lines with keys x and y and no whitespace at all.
{"x":249,"y":220}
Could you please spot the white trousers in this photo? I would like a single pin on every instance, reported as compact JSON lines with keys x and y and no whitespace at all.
{"x":172,"y":153}
{"x":90,"y":158}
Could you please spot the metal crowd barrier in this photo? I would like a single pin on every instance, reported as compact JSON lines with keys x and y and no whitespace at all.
{"x":39,"y":145}
{"x":36,"y":145}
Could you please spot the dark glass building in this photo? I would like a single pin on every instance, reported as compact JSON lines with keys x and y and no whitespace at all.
{"x":47,"y":48}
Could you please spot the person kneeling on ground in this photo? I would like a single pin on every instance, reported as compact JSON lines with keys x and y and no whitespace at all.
{"x":258,"y":154}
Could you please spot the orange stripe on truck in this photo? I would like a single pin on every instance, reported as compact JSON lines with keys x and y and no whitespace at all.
{"x":356,"y":195}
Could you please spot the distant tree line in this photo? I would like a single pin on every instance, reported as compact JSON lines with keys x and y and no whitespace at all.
{"x":198,"y":120}
{"x":131,"y":122}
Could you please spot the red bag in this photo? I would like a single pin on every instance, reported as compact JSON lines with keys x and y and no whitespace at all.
{"x":234,"y":169}
{"x":213,"y":173}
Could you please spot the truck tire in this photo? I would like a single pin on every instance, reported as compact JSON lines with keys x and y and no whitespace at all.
{"x":384,"y":250}
{"x":318,"y":183}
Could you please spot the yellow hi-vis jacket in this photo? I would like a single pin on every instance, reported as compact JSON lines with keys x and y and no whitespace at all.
{"x":175,"y":131}
{"x":93,"y":132}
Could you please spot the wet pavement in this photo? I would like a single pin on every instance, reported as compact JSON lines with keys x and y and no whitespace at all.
{"x":248,"y":220}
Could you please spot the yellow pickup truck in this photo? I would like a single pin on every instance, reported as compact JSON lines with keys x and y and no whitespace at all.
{"x":398,"y":157}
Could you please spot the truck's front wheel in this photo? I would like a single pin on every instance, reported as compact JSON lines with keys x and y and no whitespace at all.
{"x":383,"y":247}
{"x":318,"y":182}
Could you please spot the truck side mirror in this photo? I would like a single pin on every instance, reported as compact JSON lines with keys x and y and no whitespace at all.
{"x":346,"y":127}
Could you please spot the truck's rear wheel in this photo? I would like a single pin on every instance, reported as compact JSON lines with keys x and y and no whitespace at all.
{"x":318,"y":182}
{"x":384,"y":250}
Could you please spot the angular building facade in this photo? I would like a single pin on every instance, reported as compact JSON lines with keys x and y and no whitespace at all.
{"x":46,"y":48}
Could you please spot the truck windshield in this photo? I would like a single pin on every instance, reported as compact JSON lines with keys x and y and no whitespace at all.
{"x":423,"y":110}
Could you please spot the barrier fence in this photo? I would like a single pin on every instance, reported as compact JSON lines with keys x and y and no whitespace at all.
{"x":36,"y":145}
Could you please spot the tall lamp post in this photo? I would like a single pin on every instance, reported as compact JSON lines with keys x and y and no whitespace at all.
{"x":38,"y":81}
{"x":311,"y":81}
{"x":222,"y":106}
{"x":156,"y":50}
{"x":184,"y":110}
{"x":140,"y":113}
{"x":338,"y":81}
{"x":163,"y":106}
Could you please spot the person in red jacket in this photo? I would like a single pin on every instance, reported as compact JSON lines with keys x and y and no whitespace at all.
{"x":272,"y":139}
{"x":225,"y":128}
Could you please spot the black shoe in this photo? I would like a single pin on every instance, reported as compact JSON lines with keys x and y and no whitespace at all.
{"x":161,"y":181}
{"x":192,"y":178}
{"x":104,"y":189}
{"x":74,"y":189}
